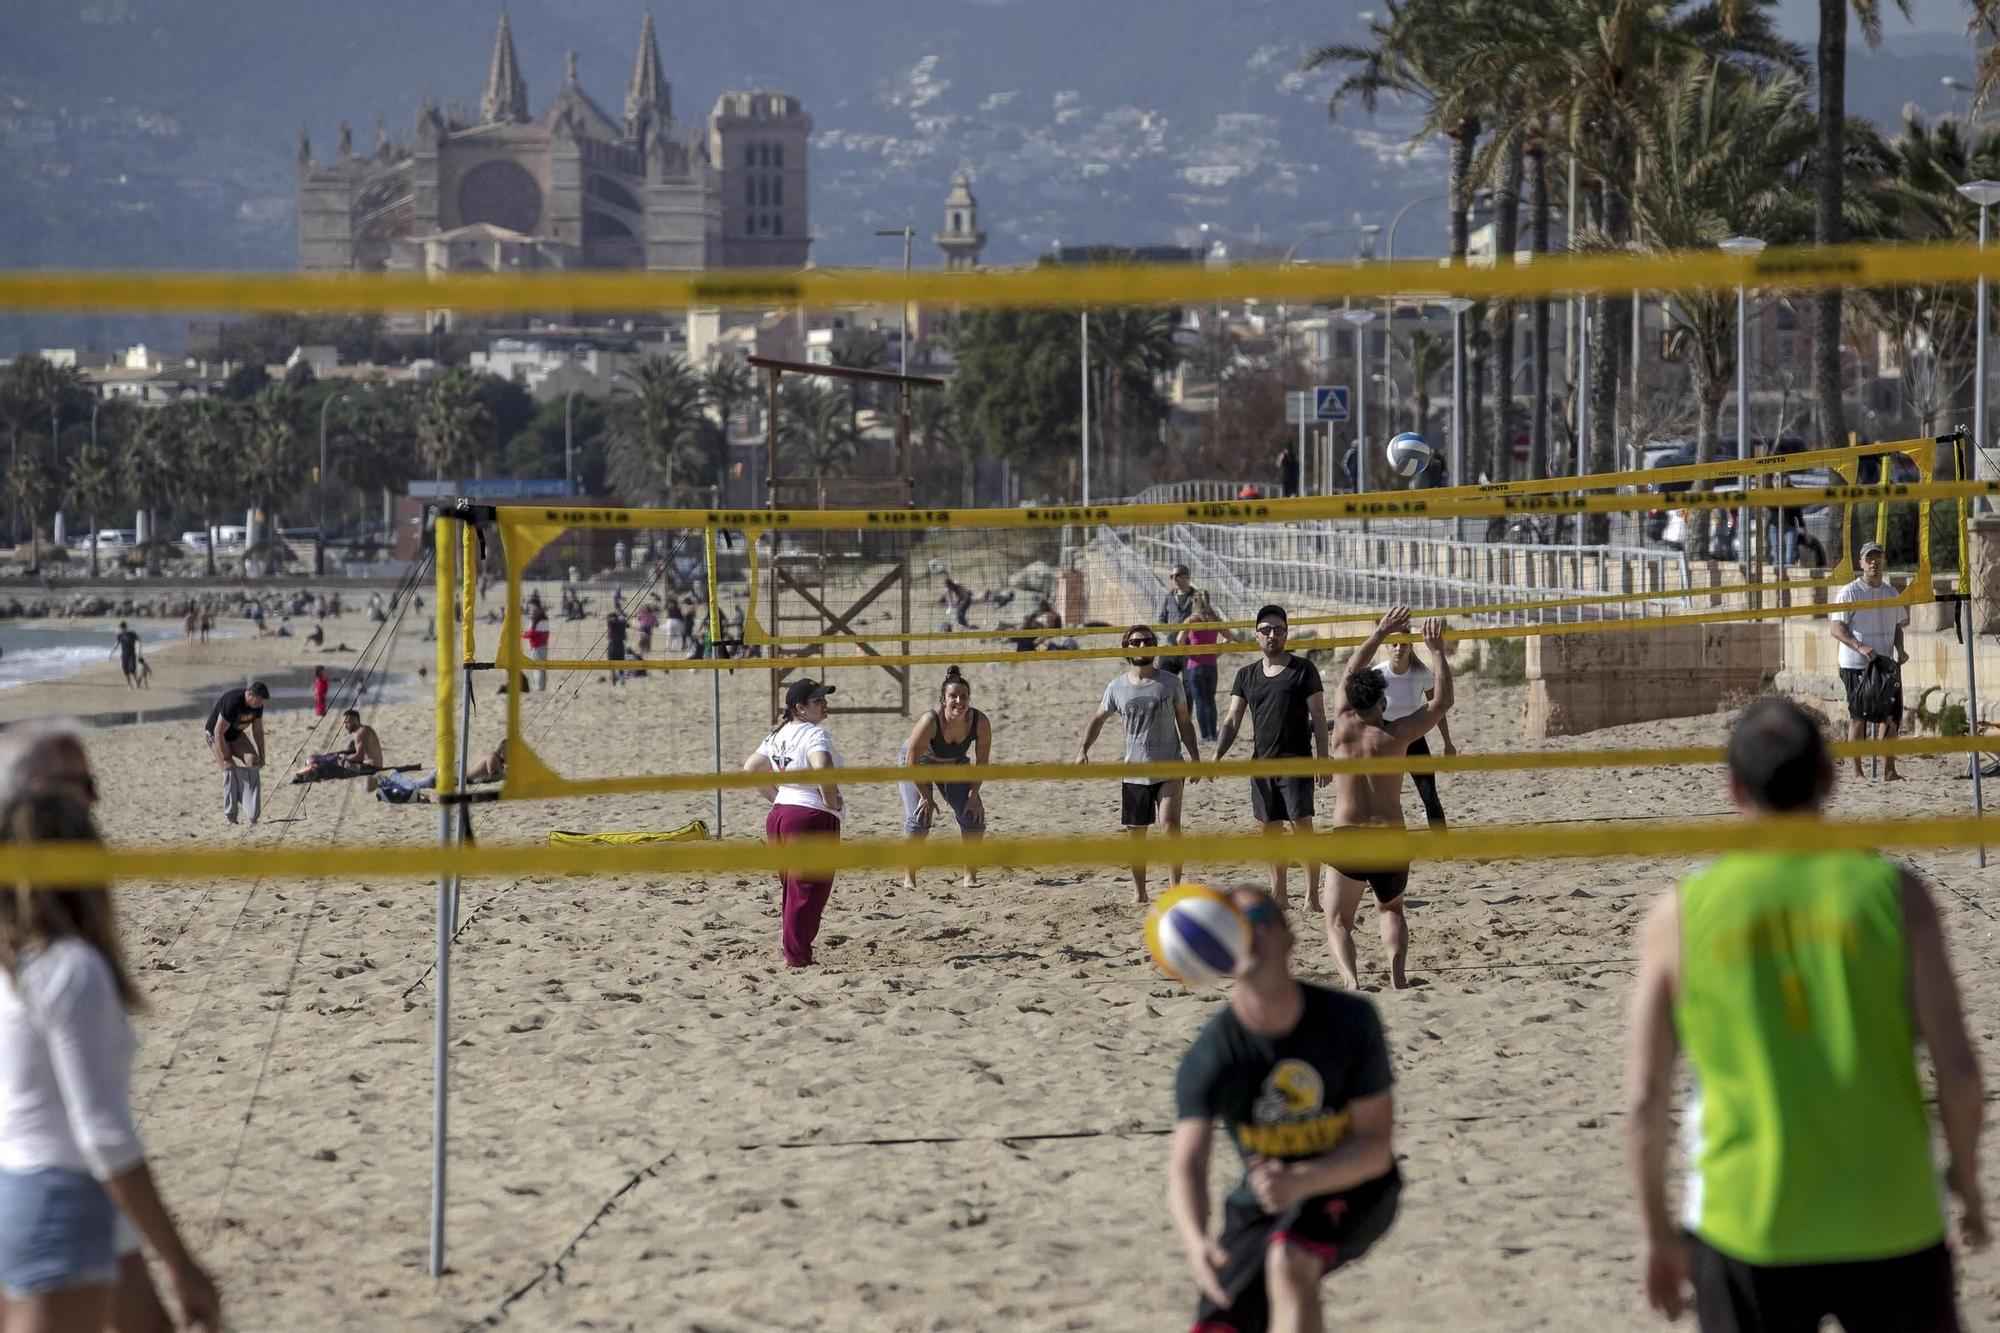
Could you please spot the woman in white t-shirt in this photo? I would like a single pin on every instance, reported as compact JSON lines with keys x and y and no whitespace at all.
{"x":801,"y":809}
{"x":1408,"y":685}
{"x":70,"y":1156}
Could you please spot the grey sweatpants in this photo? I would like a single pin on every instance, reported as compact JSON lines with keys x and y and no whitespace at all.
{"x":242,"y":789}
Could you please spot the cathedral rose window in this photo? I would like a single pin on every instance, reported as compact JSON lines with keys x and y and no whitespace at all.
{"x":502,"y":193}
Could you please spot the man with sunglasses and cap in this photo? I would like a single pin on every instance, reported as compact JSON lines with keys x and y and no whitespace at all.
{"x":1869,"y":629}
{"x":1299,"y":1076}
{"x":1157,"y":726}
{"x":1287,"y":705}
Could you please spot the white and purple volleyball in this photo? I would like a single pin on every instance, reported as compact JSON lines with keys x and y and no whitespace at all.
{"x":1409,"y":454}
{"x":1196,"y":935}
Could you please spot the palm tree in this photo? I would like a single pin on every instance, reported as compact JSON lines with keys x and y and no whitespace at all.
{"x":659,"y":432}
{"x":1723,"y":154}
{"x":209,"y":472}
{"x":94,"y":487}
{"x":1426,"y":355}
{"x":151,"y":466}
{"x":380,"y":428}
{"x":859,"y":349}
{"x":1917,"y":189}
{"x":725,"y":386}
{"x":815,"y":426}
{"x":1129,"y":350}
{"x":31,"y":482}
{"x":273,"y":461}
{"x":1420,"y":49}
{"x":935,"y":424}
{"x":454,"y":425}
{"x":1829,"y":216}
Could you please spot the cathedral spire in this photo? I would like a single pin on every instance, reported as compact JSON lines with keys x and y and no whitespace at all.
{"x":649,"y":101}
{"x":506,"y":96}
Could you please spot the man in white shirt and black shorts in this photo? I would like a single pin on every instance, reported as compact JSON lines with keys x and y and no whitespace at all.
{"x":1869,"y":629}
{"x":1282,"y":693}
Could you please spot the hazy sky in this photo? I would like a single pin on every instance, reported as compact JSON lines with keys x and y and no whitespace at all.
{"x":1801,"y":17}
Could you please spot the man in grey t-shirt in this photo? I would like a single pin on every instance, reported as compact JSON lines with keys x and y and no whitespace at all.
{"x":1157,"y":725}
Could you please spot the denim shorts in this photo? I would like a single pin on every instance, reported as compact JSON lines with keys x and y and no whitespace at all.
{"x":57,"y":1230}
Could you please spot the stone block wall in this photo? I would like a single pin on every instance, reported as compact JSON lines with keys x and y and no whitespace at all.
{"x":1580,"y":682}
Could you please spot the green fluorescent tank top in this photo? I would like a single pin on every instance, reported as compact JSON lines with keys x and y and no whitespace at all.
{"x":1806,"y":1135}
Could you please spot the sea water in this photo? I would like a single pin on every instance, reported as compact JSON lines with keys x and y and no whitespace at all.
{"x":33,"y":651}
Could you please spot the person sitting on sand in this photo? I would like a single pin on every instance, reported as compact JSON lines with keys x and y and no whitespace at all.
{"x":316,"y":635}
{"x":361,"y":756}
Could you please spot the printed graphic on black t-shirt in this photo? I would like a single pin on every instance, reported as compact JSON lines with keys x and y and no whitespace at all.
{"x":1286,"y":1097}
{"x":1282,"y":726}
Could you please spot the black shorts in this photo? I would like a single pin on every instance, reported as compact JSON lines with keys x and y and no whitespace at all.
{"x":1274,"y":799}
{"x":1911,"y":1293}
{"x":1139,"y":802}
{"x":1851,"y":677}
{"x":1339,"y":1228}
{"x":1386,"y":885}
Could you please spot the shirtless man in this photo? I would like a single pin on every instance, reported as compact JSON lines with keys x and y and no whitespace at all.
{"x":362,"y":755}
{"x":1358,"y":732}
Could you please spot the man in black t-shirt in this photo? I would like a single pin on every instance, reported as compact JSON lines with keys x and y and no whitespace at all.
{"x":1299,"y":1077}
{"x":1287,"y":706}
{"x":614,"y":629}
{"x":235,"y":732}
{"x":128,"y":654}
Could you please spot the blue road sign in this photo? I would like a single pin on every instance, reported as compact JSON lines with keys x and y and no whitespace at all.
{"x":1330,"y":402}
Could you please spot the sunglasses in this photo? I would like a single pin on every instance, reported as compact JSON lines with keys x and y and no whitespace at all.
{"x":1142,"y":643}
{"x":1271,"y":629}
{"x":1262,"y":914}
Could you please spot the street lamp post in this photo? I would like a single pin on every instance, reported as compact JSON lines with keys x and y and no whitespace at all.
{"x":1360,"y":317}
{"x":569,"y":442}
{"x":319,"y":488}
{"x":1745,"y":538}
{"x":1389,"y":257}
{"x":1458,"y":305}
{"x":1291,"y":253}
{"x":1984,"y":193}
{"x":907,"y":231}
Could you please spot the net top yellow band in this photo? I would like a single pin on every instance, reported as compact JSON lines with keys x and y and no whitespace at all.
{"x":1793,"y":268}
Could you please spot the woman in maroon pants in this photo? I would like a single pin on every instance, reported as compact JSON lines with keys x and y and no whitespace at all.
{"x":801,"y":809}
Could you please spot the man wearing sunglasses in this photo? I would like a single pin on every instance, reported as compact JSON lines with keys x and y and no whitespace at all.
{"x":1360,"y":731}
{"x":1299,"y":1076}
{"x":1281,"y":692}
{"x":1157,"y":725}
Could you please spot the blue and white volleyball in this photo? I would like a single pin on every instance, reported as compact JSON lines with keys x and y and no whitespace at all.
{"x":1409,"y":454}
{"x":1196,"y":935}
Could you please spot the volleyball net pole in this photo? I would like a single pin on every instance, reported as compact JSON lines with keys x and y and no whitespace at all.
{"x":446,"y":552}
{"x":1968,"y":630}
{"x":714,"y":677}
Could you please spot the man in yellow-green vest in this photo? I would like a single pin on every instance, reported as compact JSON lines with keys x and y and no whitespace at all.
{"x":1799,"y":984}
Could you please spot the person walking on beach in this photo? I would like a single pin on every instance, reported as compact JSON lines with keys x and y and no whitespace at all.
{"x":207,"y":624}
{"x":1154,"y":707}
{"x":1282,"y":693}
{"x":615,"y":626}
{"x":126,"y":647}
{"x":235,"y":736}
{"x":1361,"y":729}
{"x":1799,"y":985}
{"x":74,"y":1181}
{"x":536,"y":635}
{"x":321,"y":684}
{"x":952,"y":733}
{"x":1299,"y":1076}
{"x":1175,"y":606}
{"x":800,"y":746}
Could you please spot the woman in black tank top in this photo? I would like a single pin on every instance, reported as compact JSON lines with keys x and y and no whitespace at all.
{"x":953,"y":733}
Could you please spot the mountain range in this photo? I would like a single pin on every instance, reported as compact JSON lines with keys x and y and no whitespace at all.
{"x":163,"y":133}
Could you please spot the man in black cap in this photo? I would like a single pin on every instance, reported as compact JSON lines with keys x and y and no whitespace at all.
{"x":235,"y":736}
{"x":1868,"y":626}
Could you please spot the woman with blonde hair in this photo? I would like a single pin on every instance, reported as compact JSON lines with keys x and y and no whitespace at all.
{"x":70,"y":1156}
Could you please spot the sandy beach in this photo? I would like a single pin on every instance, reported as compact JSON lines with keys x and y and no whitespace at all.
{"x":954,"y":1122}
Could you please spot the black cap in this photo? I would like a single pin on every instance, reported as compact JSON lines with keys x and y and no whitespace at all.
{"x":804,"y":691}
